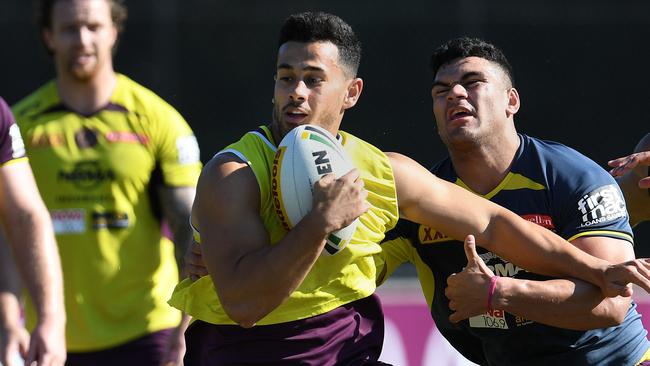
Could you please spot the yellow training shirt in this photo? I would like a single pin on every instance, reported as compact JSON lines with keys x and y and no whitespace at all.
{"x":98,"y":176}
{"x":333,"y":280}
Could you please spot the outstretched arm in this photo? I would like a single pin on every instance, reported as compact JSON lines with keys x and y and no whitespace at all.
{"x":564,"y":303}
{"x":425,"y":199}
{"x":251,"y":276}
{"x":28,"y":227}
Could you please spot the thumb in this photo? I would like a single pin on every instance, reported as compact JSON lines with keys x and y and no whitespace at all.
{"x":644,"y":183}
{"x":470,"y":250}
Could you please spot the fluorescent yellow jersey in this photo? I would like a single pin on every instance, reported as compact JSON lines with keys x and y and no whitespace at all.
{"x":98,"y":176}
{"x":333,"y":280}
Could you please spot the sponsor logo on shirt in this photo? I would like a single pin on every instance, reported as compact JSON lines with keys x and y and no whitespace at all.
{"x":46,"y":140}
{"x":541,"y":220}
{"x":86,"y":175}
{"x":188,"y":150}
{"x":110,"y":220}
{"x":127,"y":137}
{"x":602,"y":205}
{"x":71,"y":221}
{"x":495,"y":319}
{"x":429,"y":235}
{"x":86,"y":138}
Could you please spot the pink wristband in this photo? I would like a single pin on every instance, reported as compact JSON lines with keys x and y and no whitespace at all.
{"x":493,"y":286}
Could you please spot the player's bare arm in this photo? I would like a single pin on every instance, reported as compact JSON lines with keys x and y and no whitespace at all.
{"x":564,"y":303}
{"x":28,"y":228}
{"x":14,"y":338}
{"x":253,"y":277}
{"x":176,"y":204}
{"x":427,"y":200}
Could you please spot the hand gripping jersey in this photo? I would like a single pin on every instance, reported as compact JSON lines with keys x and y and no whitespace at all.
{"x":333,"y":280}
{"x":563,"y":191}
{"x":98,"y":176}
{"x":12,"y":147}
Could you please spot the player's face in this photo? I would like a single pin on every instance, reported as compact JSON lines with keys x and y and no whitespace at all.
{"x":311,"y":87}
{"x":472,"y":101}
{"x":82,"y":37}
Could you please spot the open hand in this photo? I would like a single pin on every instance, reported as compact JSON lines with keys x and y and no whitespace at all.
{"x":627,"y":163}
{"x":617,"y":277}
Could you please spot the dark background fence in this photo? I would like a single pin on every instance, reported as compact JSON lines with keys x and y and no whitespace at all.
{"x":581,"y":66}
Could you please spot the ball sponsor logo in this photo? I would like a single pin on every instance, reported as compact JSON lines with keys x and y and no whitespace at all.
{"x":275,"y":188}
{"x":602,"y":205}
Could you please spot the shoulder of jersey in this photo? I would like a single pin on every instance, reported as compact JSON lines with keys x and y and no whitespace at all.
{"x":304,"y":155}
{"x":139,"y":99}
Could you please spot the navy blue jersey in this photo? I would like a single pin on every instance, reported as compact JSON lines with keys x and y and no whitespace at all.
{"x":557,"y":188}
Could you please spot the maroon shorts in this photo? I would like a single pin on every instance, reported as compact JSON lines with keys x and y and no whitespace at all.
{"x":352,"y":334}
{"x":147,"y":350}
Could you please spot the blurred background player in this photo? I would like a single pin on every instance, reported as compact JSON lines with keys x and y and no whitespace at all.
{"x":526,"y":319}
{"x":111,"y":159}
{"x":271,"y":298}
{"x":632,"y":174}
{"x":27,"y":226}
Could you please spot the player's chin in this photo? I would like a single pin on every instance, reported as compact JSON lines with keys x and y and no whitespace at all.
{"x":83,"y":72}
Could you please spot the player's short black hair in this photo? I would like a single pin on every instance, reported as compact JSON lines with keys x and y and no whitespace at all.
{"x":323,"y":27}
{"x":44,"y":13}
{"x":468,"y":47}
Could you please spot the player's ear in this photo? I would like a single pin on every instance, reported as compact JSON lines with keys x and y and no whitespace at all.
{"x":46,"y":35}
{"x":513,"y":102}
{"x":353,"y":92}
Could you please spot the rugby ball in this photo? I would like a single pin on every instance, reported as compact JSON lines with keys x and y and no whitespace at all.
{"x":304,"y":155}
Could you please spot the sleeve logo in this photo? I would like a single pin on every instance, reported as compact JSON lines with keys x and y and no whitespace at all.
{"x":602,"y":205}
{"x":17,"y":144}
{"x":188,"y":150}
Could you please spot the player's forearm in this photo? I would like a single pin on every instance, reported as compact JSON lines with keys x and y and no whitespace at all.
{"x":177,"y":206}
{"x":539,"y":250}
{"x":570,"y":304}
{"x":9,"y":310}
{"x":262,"y":279}
{"x":37,"y":257}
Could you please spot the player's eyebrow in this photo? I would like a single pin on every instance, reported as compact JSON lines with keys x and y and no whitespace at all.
{"x":467,"y":75}
{"x":285,"y":66}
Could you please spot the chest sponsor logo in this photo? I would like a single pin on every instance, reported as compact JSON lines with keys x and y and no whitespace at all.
{"x":86,"y":138}
{"x":46,"y":140}
{"x":86,"y":175}
{"x":602,"y":205}
{"x":429,"y":235}
{"x":494,"y":319}
{"x":127,"y":137}
{"x":541,"y":220}
{"x":72,"y":221}
{"x":505,"y":269}
{"x":110,"y":220}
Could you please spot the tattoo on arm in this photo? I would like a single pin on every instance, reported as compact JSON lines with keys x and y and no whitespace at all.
{"x":176,"y":204}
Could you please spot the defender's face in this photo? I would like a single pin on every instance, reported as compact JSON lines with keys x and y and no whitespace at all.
{"x":310,"y":87}
{"x":471,"y":100}
{"x":82,"y":37}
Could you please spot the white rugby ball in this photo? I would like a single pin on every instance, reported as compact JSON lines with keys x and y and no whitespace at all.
{"x":304,"y":155}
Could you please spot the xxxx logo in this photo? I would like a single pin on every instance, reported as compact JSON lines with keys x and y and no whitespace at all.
{"x":429,"y":235}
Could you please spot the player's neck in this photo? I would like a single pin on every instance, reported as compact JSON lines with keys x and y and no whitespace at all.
{"x":483,"y":167}
{"x":87,"y":96}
